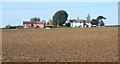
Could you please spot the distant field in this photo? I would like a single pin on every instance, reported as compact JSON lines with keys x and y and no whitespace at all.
{"x":60,"y":45}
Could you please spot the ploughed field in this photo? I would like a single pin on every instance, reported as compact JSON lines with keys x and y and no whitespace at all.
{"x":60,"y":45}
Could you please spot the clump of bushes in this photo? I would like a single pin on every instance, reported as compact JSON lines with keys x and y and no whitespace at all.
{"x":12,"y":27}
{"x":7,"y":26}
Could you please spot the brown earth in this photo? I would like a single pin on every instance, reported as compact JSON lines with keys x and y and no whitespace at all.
{"x":60,"y":45}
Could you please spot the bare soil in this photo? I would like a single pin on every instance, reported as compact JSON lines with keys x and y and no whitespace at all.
{"x":60,"y":45}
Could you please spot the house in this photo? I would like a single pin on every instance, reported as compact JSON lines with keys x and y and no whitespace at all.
{"x":36,"y":24}
{"x":80,"y":23}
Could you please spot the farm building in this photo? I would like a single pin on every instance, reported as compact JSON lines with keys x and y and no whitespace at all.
{"x":80,"y":23}
{"x":36,"y":24}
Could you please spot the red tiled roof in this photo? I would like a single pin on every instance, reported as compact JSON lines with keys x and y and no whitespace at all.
{"x":28,"y":22}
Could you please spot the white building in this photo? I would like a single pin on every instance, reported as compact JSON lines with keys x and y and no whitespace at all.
{"x":80,"y":23}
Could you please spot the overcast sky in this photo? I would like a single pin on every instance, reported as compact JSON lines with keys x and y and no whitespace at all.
{"x":14,"y":13}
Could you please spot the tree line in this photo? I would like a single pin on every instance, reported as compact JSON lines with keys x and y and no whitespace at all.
{"x":61,"y":16}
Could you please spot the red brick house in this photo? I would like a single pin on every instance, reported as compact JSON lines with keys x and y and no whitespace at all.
{"x":36,"y":24}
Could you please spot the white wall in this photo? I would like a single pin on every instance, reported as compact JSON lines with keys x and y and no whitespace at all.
{"x":77,"y":24}
{"x":89,"y":24}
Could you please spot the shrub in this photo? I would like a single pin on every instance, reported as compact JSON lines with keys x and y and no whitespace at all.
{"x":7,"y":26}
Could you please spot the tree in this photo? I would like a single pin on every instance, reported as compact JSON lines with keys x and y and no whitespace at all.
{"x":60,"y":17}
{"x":100,"y":18}
{"x":102,"y":23}
{"x":67,"y":24}
{"x":98,"y":21}
{"x":94,"y":22}
{"x":7,"y":26}
{"x":50,"y":22}
{"x":34,"y":19}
